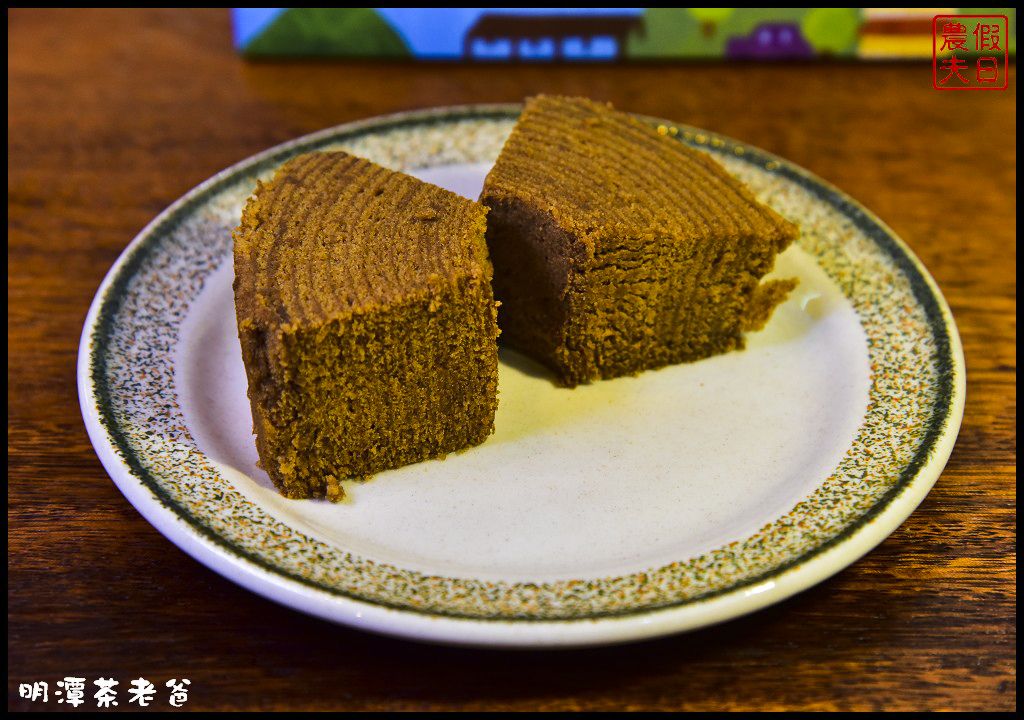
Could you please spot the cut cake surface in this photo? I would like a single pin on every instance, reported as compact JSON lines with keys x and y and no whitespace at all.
{"x":617,"y":249}
{"x":366,"y":319}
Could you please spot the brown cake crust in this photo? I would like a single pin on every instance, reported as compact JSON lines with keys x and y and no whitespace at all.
{"x":366,"y":320}
{"x":617,"y":249}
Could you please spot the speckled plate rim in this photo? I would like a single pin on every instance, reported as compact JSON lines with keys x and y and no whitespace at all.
{"x":757,"y":590}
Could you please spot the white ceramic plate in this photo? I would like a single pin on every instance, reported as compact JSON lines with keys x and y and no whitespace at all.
{"x":617,"y":511}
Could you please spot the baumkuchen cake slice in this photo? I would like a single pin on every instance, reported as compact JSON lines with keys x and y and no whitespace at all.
{"x":617,"y":249}
{"x":366,"y":319}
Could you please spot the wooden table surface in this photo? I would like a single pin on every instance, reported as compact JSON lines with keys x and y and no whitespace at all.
{"x":112,"y":115}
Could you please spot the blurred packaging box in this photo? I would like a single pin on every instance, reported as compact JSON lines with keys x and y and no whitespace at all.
{"x":592,"y":34}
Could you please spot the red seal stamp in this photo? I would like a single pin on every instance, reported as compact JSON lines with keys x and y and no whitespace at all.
{"x":970,"y":52}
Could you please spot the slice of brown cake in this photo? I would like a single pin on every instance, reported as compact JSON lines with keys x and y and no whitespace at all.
{"x":617,"y":249}
{"x":366,"y":319}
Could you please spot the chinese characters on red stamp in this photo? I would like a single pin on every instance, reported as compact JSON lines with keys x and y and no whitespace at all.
{"x":970,"y":52}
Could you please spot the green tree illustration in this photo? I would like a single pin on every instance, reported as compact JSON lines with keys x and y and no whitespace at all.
{"x":329,"y":31}
{"x":709,"y":18}
{"x":831,"y":30}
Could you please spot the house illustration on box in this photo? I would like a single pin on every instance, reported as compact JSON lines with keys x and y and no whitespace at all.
{"x":550,"y":37}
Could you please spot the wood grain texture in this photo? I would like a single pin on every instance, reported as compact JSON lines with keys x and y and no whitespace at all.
{"x":113,"y":114}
